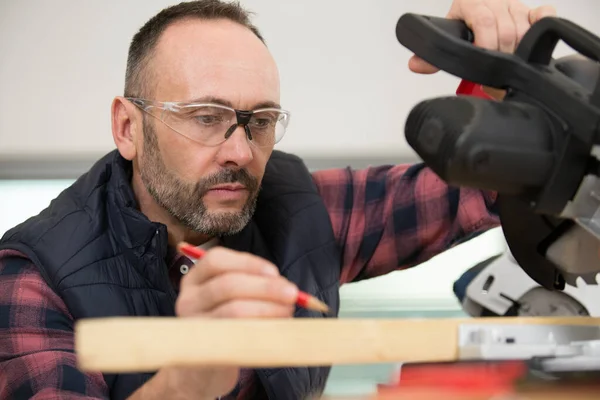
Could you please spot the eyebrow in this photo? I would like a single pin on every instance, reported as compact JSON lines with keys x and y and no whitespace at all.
{"x":218,"y":100}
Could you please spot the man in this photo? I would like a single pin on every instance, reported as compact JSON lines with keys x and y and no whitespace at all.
{"x":195,"y":133}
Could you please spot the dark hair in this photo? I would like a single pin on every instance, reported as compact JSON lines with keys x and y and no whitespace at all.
{"x":145,"y":40}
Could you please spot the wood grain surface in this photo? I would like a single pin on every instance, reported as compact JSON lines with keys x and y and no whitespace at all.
{"x":125,"y":344}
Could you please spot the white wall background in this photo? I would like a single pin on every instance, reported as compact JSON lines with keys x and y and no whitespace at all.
{"x":344,"y":75}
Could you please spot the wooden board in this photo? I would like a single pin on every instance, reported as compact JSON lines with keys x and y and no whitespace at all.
{"x":115,"y":345}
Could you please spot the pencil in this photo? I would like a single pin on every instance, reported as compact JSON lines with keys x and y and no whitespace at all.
{"x":303,"y":300}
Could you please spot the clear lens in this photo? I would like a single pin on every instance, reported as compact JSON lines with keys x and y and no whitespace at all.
{"x":268,"y":126}
{"x":206,"y":124}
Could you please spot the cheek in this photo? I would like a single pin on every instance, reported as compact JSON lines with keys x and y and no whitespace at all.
{"x":259,"y":163}
{"x":191,"y":161}
{"x":186,"y":159}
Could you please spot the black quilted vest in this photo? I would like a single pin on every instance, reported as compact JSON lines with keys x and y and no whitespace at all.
{"x":105,"y":258}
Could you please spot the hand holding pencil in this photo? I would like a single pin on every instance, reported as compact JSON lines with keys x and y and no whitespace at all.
{"x":224,"y":284}
{"x":229,"y":284}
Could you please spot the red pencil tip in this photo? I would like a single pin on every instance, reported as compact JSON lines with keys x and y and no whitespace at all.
{"x":190,"y":251}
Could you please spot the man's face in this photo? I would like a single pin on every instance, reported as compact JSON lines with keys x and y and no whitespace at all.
{"x":210,"y":190}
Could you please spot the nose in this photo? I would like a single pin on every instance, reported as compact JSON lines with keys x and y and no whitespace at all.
{"x":236,"y":150}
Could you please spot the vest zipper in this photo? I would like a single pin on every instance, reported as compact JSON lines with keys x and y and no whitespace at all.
{"x":161,"y":246}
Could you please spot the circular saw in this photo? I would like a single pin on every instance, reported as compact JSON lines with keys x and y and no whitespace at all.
{"x":537,"y":148}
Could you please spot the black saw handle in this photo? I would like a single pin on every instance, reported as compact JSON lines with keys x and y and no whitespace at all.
{"x":444,"y":26}
{"x":447,"y":44}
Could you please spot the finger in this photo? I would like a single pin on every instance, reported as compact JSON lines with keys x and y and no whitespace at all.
{"x":252,"y":309}
{"x":496,"y":94}
{"x":482,"y":21}
{"x":420,"y":66}
{"x":221,"y":260}
{"x":242,"y":286}
{"x":505,"y":25}
{"x":232,"y":287}
{"x":541,"y":12}
{"x":520,"y":16}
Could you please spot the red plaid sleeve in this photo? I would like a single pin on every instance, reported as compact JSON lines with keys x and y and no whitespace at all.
{"x":393,"y":217}
{"x":37,"y":359}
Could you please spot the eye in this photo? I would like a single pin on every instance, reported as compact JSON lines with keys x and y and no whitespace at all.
{"x":209,"y":119}
{"x":262,"y":122}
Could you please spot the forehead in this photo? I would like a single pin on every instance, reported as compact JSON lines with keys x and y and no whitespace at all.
{"x":198,"y":58}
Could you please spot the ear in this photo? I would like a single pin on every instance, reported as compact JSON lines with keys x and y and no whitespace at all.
{"x":126,"y":126}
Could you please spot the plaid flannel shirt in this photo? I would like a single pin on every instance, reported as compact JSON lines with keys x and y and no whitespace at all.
{"x":384,"y":218}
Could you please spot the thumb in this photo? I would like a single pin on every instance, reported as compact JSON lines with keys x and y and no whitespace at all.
{"x":535,"y":14}
{"x":420,"y":66}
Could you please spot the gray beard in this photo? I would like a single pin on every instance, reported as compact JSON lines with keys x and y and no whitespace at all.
{"x":184,"y":201}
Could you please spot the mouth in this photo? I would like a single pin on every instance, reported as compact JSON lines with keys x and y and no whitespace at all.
{"x":228,"y":193}
{"x":232,"y":187}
